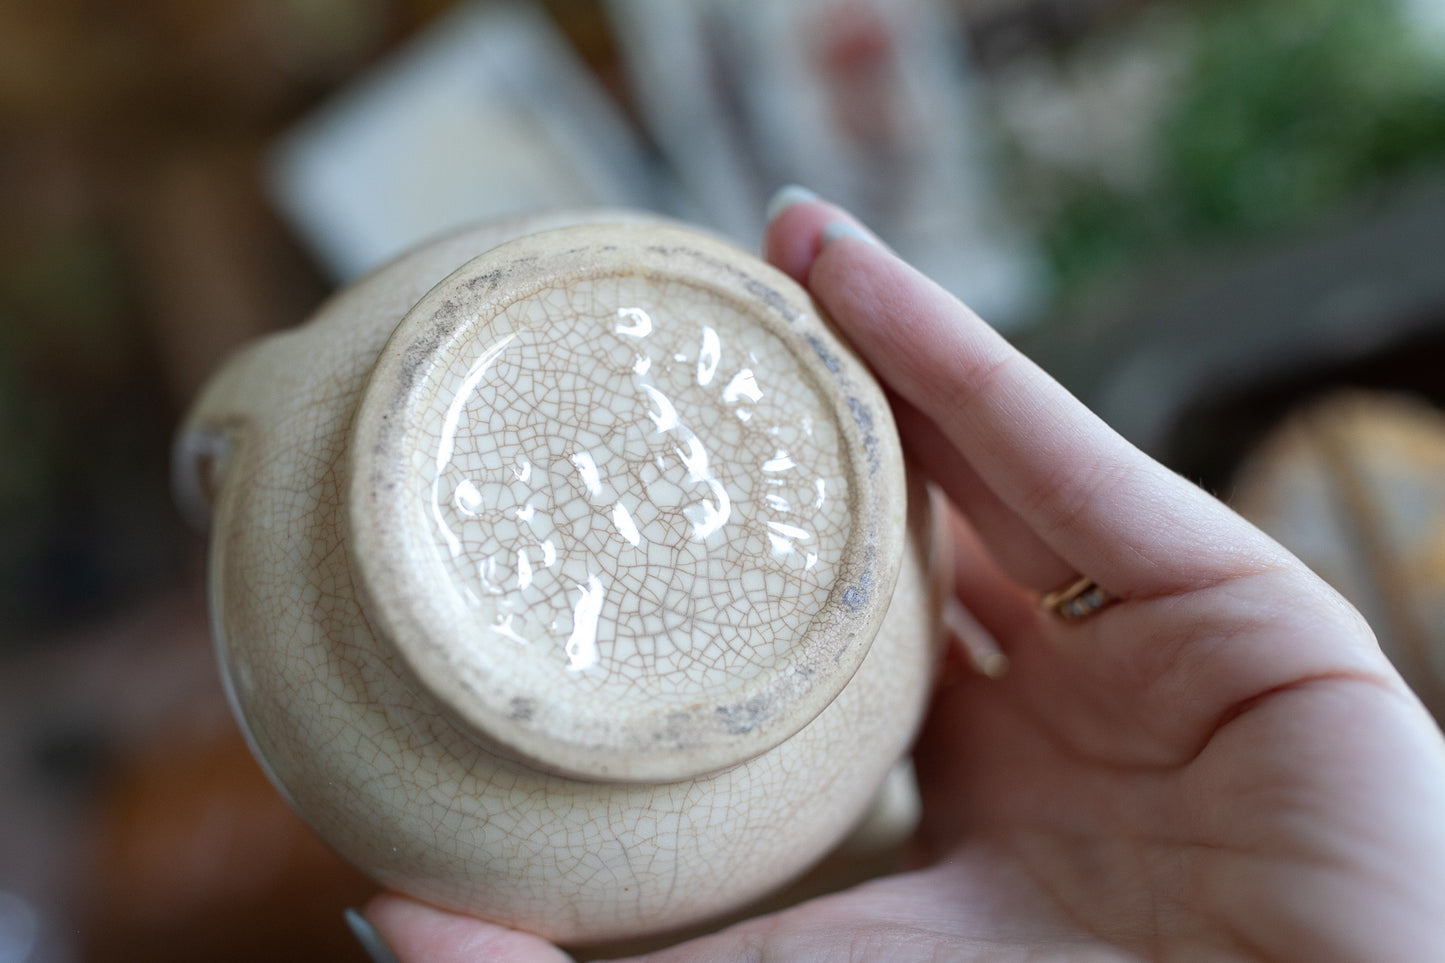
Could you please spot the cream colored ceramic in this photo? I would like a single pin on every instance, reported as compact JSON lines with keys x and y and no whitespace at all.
{"x":554,"y":579}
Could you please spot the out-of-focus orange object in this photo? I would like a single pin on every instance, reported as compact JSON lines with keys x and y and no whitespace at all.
{"x":1354,"y":484}
{"x":199,"y":858}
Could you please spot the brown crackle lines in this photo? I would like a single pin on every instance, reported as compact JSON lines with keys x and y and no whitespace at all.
{"x":641,"y":497}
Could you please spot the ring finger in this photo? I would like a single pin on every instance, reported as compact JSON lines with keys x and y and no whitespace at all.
{"x":1014,"y":546}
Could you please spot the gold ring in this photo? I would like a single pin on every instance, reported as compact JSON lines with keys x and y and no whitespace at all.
{"x":1079,"y":599}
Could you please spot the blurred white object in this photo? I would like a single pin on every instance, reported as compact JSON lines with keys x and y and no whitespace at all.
{"x":867,"y":102}
{"x":19,"y":929}
{"x":487,"y":112}
{"x":1427,"y":21}
{"x":1096,"y":113}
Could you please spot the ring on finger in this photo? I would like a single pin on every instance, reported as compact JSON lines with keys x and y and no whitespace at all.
{"x":1078,"y":600}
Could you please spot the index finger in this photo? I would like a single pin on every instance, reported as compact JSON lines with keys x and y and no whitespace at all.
{"x":1103,"y":506}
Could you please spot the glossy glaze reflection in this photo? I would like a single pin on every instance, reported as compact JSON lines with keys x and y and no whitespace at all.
{"x":636,"y":503}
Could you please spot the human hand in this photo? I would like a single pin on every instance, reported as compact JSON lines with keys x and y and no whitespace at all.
{"x":1221,"y":765}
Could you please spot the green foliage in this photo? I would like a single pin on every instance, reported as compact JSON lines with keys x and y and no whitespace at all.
{"x":59,"y":307}
{"x":1287,"y":109}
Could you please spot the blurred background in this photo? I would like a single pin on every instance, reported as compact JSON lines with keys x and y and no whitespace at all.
{"x":1221,"y":223}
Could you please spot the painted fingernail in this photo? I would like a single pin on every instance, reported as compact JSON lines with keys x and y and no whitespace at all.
{"x":370,"y":940}
{"x":838,"y":230}
{"x":785,"y":198}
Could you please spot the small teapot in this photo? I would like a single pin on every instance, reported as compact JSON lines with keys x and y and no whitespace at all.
{"x":563,"y":573}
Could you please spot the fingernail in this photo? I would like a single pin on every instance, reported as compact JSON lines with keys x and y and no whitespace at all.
{"x":370,"y":940}
{"x":786,"y":197}
{"x":838,"y":230}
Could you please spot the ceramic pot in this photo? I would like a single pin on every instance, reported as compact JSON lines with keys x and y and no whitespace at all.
{"x":560,"y":574}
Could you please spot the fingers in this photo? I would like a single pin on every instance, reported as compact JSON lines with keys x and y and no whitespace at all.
{"x":798,"y":219}
{"x":416,"y":932}
{"x":1021,"y":453}
{"x":1016,"y":549}
{"x":997,"y":602}
{"x":795,"y":247}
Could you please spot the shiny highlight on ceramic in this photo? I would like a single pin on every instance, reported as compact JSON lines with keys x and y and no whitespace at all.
{"x":634,"y":507}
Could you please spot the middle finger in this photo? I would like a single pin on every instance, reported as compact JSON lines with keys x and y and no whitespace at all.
{"x":1014,"y":546}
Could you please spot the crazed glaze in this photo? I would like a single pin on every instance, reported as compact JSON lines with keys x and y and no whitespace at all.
{"x":621,"y":501}
{"x":652,"y":515}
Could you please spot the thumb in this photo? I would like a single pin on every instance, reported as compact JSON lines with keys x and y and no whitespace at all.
{"x":417,"y":933}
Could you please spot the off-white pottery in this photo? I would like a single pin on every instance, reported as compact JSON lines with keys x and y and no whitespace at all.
{"x":560,"y":574}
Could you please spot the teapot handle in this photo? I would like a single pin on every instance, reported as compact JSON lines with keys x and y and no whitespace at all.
{"x":232,"y":404}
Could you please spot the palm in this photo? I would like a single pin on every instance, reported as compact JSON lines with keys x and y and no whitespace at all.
{"x":1058,"y":823}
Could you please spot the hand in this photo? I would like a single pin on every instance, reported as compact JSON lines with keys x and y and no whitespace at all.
{"x":1222,"y":765}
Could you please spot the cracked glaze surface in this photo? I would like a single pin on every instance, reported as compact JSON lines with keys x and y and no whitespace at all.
{"x":579,"y":512}
{"x":635,"y":503}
